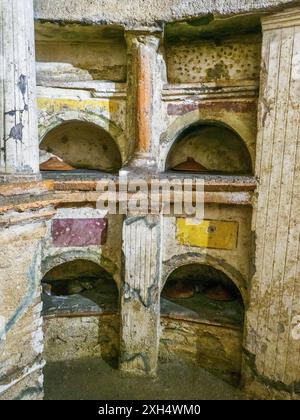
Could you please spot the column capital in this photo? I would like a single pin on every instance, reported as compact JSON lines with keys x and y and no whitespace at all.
{"x":151,"y":39}
{"x":284,"y":19}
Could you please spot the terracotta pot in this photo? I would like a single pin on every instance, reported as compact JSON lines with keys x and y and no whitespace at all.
{"x":190,"y":165}
{"x":219,"y":293}
{"x":179,"y":290}
{"x":55,"y":164}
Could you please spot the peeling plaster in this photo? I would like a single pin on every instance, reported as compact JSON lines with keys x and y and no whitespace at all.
{"x":26,"y":372}
{"x":33,"y":281}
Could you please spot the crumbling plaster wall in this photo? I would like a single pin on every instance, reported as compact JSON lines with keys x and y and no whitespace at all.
{"x":213,"y":347}
{"x":79,"y":53}
{"x":217,"y":348}
{"x":70,"y":338}
{"x":21,"y":336}
{"x":78,"y":67}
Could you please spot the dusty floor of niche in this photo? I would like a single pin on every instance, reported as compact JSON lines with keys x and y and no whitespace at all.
{"x":94,"y":379}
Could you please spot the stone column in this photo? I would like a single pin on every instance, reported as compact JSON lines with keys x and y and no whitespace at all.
{"x":145,"y":82}
{"x":140,"y":302}
{"x":19,"y":150}
{"x":272,"y":342}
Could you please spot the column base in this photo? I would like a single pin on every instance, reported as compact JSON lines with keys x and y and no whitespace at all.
{"x":142,"y":162}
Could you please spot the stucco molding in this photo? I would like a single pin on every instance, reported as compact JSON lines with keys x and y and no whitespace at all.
{"x":285,"y":19}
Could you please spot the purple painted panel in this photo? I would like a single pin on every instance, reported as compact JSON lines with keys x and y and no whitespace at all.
{"x":79,"y":232}
{"x":232,"y":106}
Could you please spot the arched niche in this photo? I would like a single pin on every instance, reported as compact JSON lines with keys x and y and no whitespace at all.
{"x":79,"y":285}
{"x":199,"y":258}
{"x":202,"y":292}
{"x":81,"y":145}
{"x":243,"y":125}
{"x":204,"y":327}
{"x":209,"y":147}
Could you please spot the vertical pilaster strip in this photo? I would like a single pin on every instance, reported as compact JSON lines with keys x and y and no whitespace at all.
{"x":19,"y":153}
{"x":275,"y":292}
{"x":145,"y":82}
{"x":140,"y":302}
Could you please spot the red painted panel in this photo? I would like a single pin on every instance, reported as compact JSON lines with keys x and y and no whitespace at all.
{"x":79,"y":232}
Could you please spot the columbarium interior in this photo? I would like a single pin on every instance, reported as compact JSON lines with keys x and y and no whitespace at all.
{"x":173,"y":89}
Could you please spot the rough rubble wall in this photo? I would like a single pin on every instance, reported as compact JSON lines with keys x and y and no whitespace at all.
{"x":209,"y":346}
{"x":212,"y":347}
{"x":140,"y":12}
{"x":21,"y":344}
{"x":75,"y":338}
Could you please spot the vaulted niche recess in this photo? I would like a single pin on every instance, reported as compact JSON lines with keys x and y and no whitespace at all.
{"x":77,"y":287}
{"x":201,"y":292}
{"x":78,"y":145}
{"x":202,"y":316}
{"x":209,"y":148}
{"x":72,"y":52}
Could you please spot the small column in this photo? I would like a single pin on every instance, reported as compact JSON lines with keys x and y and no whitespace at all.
{"x":140,"y":302}
{"x":272,"y":341}
{"x":145,"y":82}
{"x":19,"y":150}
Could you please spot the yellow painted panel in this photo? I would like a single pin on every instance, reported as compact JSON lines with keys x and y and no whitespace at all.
{"x":57,"y":105}
{"x":208,"y":234}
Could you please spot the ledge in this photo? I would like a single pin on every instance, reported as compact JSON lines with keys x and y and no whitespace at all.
{"x":91,"y":89}
{"x":221,"y":90}
{"x":201,"y":310}
{"x":199,"y":321}
{"x":219,"y":189}
{"x":285,"y":19}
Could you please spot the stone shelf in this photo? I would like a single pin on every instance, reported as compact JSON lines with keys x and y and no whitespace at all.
{"x":202,"y":310}
{"x":98,"y":301}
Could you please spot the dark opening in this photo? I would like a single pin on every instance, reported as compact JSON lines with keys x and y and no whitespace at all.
{"x":79,"y":286}
{"x":202,"y":292}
